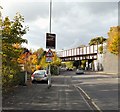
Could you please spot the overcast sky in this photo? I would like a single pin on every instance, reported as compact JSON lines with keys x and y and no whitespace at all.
{"x":74,"y":23}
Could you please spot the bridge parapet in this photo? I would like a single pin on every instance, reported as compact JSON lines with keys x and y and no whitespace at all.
{"x":79,"y":53}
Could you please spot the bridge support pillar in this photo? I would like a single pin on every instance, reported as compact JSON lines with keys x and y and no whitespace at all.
{"x":95,"y":65}
{"x":90,"y":65}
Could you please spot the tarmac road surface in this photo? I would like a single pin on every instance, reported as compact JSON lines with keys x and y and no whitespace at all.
{"x":68,"y":92}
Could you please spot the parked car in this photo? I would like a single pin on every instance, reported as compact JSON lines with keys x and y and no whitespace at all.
{"x":79,"y":71}
{"x":39,"y":75}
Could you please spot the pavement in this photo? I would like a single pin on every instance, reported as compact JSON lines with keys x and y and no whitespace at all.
{"x":103,"y":73}
{"x":61,"y":96}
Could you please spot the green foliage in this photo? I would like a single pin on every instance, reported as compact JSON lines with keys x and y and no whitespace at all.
{"x":83,"y":64}
{"x":12,"y":33}
{"x":38,"y":60}
{"x":56,"y":60}
{"x":101,"y":49}
{"x":41,"y":53}
{"x":69,"y":64}
{"x":63,"y":64}
{"x":13,"y":30}
{"x":97,"y":40}
{"x":54,"y":69}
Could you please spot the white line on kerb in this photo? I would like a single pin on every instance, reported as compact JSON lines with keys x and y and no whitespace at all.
{"x":96,"y":106}
{"x":89,"y":98}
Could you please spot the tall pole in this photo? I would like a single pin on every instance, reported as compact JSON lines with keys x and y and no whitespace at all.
{"x":49,"y":68}
{"x":50,"y":14}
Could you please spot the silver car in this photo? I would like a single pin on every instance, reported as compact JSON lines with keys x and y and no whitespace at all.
{"x":79,"y":71}
{"x":39,"y":75}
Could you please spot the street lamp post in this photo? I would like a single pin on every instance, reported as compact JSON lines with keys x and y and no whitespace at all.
{"x":49,"y":67}
{"x":50,"y":14}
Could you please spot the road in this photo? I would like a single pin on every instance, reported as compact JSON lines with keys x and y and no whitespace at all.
{"x":68,"y":92}
{"x":101,"y":89}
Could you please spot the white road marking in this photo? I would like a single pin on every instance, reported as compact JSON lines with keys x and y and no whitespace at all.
{"x":88,"y":97}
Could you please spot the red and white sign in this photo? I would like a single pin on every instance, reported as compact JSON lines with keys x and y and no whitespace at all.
{"x":49,"y":53}
{"x":49,"y":56}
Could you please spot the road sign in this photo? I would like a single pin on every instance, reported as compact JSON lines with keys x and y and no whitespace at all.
{"x":50,"y":40}
{"x":49,"y":59}
{"x":49,"y":53}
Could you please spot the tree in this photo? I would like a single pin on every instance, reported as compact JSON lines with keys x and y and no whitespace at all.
{"x":100,"y":49}
{"x":83,"y":64}
{"x":12,"y":32}
{"x":36,"y":60}
{"x":69,"y":64}
{"x":40,"y":54}
{"x":114,"y":40}
{"x":56,"y":60}
{"x":97,"y":40}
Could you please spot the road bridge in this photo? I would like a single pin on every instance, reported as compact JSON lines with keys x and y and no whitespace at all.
{"x":89,"y":53}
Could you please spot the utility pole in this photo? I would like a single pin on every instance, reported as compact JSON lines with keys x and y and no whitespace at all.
{"x":49,"y":67}
{"x":50,"y":13}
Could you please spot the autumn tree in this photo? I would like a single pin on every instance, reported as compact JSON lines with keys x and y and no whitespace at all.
{"x":32,"y":62}
{"x":35,"y":61}
{"x":43,"y":64}
{"x":114,"y":40}
{"x":12,"y":32}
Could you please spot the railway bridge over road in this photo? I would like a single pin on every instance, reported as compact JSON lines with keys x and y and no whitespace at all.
{"x":88,"y":53}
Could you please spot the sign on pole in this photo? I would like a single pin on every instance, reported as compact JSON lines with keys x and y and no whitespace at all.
{"x":49,"y":56}
{"x":49,"y":59}
{"x":50,"y":41}
{"x":49,"y":53}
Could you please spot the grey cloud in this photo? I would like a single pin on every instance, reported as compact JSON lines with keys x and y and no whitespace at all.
{"x":62,"y":9}
{"x":100,"y":7}
{"x":77,"y":23}
{"x":30,"y":10}
{"x":83,"y":14}
{"x":73,"y":22}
